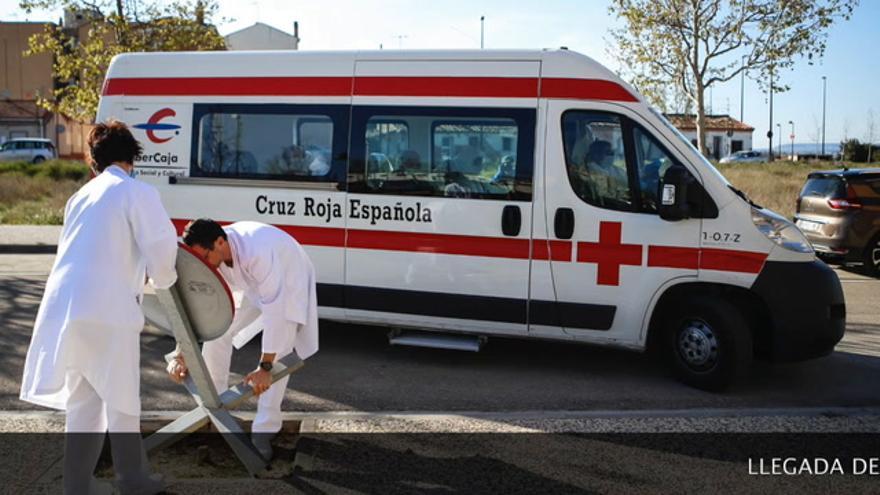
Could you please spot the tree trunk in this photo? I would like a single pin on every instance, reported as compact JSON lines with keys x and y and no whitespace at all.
{"x":701,"y":120}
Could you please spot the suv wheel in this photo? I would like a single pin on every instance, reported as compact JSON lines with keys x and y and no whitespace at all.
{"x":39,"y":159}
{"x":872,"y":257}
{"x":708,"y":343}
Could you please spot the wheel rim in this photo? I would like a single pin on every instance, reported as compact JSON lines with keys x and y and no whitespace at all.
{"x":697,"y":345}
{"x":875,"y":255}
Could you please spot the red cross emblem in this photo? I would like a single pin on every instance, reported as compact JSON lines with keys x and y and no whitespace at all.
{"x":609,"y":253}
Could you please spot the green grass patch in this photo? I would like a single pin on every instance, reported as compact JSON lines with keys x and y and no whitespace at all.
{"x":36,"y":193}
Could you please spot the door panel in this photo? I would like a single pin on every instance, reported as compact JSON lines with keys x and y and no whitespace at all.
{"x":618,"y":259}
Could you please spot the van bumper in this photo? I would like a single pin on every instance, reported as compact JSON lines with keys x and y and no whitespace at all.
{"x":806,"y":308}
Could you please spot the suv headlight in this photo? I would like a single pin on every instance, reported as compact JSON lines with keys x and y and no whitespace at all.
{"x":781,"y":231}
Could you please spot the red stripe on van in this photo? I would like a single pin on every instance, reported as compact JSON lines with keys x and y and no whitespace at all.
{"x":584,"y":89}
{"x":493,"y":247}
{"x":228,"y":86}
{"x":475,"y":87}
{"x":673,"y":257}
{"x":311,"y":236}
{"x":551,"y":250}
{"x":731,"y":261}
{"x":486,"y":87}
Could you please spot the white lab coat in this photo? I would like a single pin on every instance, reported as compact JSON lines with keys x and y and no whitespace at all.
{"x":89,"y":322}
{"x":276,"y":275}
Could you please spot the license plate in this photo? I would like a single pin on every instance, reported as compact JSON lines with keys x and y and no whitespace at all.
{"x":808,"y":226}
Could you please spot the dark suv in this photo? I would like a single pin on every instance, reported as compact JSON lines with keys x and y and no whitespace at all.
{"x":839,"y":211}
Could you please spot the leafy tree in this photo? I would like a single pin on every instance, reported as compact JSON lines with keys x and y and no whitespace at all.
{"x":81,"y":57}
{"x":692,"y":44}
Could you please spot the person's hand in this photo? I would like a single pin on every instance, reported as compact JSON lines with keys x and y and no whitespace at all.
{"x":177,"y":369}
{"x":260,"y":380}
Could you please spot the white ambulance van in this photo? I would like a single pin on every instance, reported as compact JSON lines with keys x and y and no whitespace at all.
{"x":482,"y":193}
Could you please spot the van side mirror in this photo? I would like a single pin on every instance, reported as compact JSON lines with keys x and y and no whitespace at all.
{"x":674,"y":193}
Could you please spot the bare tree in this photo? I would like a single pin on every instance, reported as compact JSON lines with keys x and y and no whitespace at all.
{"x":695,"y":44}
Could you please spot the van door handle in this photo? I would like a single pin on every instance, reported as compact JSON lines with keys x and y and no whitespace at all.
{"x":511,"y":220}
{"x":563,"y":223}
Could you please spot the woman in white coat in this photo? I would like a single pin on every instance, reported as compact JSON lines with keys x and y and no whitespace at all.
{"x":85,"y":350}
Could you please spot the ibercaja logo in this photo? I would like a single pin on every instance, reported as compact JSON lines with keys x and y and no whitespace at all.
{"x":155,"y":125}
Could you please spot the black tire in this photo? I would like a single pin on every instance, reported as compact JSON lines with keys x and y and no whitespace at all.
{"x":871,"y":257}
{"x":39,"y":159}
{"x":708,"y":343}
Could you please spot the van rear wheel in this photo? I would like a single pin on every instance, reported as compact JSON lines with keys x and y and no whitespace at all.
{"x":708,"y":344}
{"x":39,"y":159}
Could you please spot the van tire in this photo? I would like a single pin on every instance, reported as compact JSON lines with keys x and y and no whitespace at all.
{"x":708,"y":343}
{"x":39,"y":159}
{"x":871,"y":265}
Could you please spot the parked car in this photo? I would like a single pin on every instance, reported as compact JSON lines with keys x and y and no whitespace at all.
{"x":34,"y":150}
{"x":839,"y":212}
{"x":745,"y":157}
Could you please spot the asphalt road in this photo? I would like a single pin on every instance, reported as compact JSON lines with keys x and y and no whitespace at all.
{"x":356,"y":369}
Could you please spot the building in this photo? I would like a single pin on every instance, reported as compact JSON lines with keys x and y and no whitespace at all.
{"x":23,"y":79}
{"x":724,"y":134}
{"x":263,"y":37}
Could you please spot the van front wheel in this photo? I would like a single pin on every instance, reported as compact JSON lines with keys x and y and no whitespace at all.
{"x":708,"y":343}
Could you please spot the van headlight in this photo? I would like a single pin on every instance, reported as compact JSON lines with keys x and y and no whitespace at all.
{"x":780,"y":231}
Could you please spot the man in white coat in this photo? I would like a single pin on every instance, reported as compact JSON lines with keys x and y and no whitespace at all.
{"x":279,"y":296}
{"x":85,"y":351}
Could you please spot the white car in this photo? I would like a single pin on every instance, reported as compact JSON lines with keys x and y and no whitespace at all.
{"x":745,"y":157}
{"x":34,"y":150}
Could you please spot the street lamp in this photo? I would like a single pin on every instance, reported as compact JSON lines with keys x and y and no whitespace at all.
{"x":770,"y":132}
{"x":742,"y":90}
{"x":779,"y":133}
{"x":792,"y":139}
{"x":482,"y":23}
{"x":823,"y":113}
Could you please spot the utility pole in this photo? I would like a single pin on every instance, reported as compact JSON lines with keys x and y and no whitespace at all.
{"x":770,"y":132}
{"x":482,"y":30}
{"x":824,"y":85}
{"x":742,"y":91}
{"x":779,"y":132}
{"x":792,"y":138}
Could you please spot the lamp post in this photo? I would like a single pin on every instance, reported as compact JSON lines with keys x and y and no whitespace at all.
{"x":824,"y":84}
{"x":770,"y":132}
{"x":482,"y":30}
{"x":779,"y":133}
{"x":742,"y":90}
{"x":792,"y":139}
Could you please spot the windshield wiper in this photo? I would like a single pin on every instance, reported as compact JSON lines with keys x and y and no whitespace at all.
{"x":744,"y":197}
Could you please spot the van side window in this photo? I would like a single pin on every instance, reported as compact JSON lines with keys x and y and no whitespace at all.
{"x":596,"y":159}
{"x":284,"y":142}
{"x":446,"y":152}
{"x":651,"y":163}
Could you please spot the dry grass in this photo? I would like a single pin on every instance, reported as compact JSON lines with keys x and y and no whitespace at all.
{"x":37,"y":194}
{"x":773,"y":185}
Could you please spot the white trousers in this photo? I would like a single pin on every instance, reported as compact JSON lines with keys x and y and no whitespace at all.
{"x":88,"y":420}
{"x":218,"y":358}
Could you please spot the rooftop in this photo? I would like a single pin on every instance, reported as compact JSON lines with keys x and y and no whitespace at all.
{"x":713,"y":122}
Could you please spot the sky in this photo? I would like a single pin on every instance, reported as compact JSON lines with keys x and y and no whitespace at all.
{"x":853,"y":74}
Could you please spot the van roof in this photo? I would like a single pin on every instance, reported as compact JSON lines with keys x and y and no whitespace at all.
{"x":558,"y":63}
{"x":44,"y":140}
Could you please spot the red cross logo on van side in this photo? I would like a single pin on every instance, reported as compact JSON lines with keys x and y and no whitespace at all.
{"x":609,"y":253}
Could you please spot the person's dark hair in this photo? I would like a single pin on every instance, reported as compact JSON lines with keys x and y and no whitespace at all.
{"x":112,"y":142}
{"x":202,"y":232}
{"x":599,"y":149}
